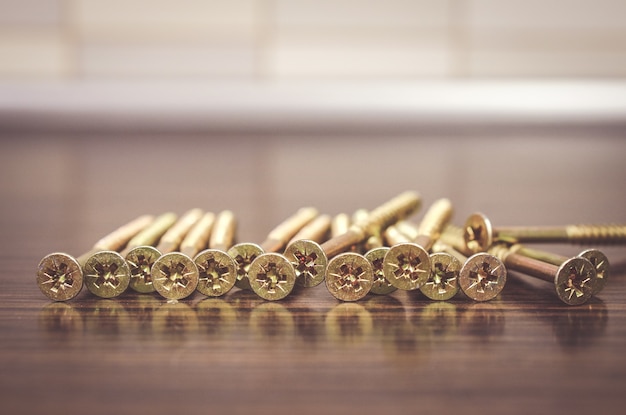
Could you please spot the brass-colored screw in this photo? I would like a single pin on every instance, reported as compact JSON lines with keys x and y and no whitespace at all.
{"x":376,"y":257}
{"x":60,"y":276}
{"x":349,"y":276}
{"x":480,"y":234}
{"x":175,"y":275}
{"x":596,"y":257}
{"x":407,"y":264}
{"x":218,"y":271}
{"x":573,"y":280}
{"x":271,"y":275}
{"x":140,"y":252}
{"x":306,"y":255}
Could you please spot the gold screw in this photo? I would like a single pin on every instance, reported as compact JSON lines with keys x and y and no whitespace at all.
{"x":349,"y":276}
{"x":376,"y":257}
{"x":480,"y":234}
{"x":218,"y":271}
{"x":60,"y":276}
{"x":407,"y":264}
{"x":596,"y":257}
{"x":271,"y":275}
{"x":573,"y":280}
{"x":140,"y":253}
{"x":306,"y":255}
{"x":175,"y":275}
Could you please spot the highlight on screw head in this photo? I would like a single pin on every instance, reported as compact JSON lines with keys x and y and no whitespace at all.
{"x":174,"y":276}
{"x":482,"y":277}
{"x":349,"y":276}
{"x":406,"y":266}
{"x":140,"y":261}
{"x":575,"y":281}
{"x":601,"y":264}
{"x":478,"y":233}
{"x":107,"y":274}
{"x":380,"y":286}
{"x":59,"y":277}
{"x":217,"y":272}
{"x":308,"y":260}
{"x":244,"y":254}
{"x":443,"y":282}
{"x":271,"y":276}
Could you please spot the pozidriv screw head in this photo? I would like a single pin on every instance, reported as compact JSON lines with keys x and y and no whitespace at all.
{"x":244,"y":254}
{"x":271,"y":276}
{"x":308,"y":260}
{"x":601,"y":264}
{"x":349,"y":276}
{"x":174,"y":276}
{"x":482,"y":277}
{"x":442,"y":284}
{"x":478,"y":233}
{"x":107,"y":274}
{"x":575,"y":281}
{"x":380,"y":286}
{"x":217,"y":272}
{"x":59,"y":277}
{"x":406,"y":266}
{"x":140,"y":261}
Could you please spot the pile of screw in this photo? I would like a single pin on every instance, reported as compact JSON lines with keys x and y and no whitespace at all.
{"x":373,"y":252}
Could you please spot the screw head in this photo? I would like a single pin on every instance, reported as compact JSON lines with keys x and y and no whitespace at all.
{"x":217,"y":272}
{"x":482,"y":277}
{"x":478,"y":233}
{"x":244,"y":254}
{"x":380,"y":285}
{"x":575,"y":281}
{"x":406,"y":266}
{"x":308,"y":260}
{"x":140,"y":261}
{"x":601,"y":263}
{"x":443,"y":282}
{"x":59,"y":277}
{"x":174,"y":276}
{"x":271,"y":276}
{"x":349,"y":276}
{"x":107,"y":274}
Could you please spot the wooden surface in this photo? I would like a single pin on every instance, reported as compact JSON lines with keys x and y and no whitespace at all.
{"x":523,"y":352}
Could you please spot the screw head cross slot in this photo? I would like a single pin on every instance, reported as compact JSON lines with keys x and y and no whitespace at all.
{"x":601,"y":263}
{"x":442,"y":284}
{"x":482,"y":277}
{"x":244,"y":254}
{"x":174,"y":276}
{"x":217,"y":272}
{"x":59,"y":277}
{"x":140,"y":261}
{"x":380,"y":285}
{"x":575,"y":281}
{"x":271,"y":276}
{"x":107,"y":274}
{"x":406,"y":266}
{"x":309,"y":262}
{"x":349,"y":276}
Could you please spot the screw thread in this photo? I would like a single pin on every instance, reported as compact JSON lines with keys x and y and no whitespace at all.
{"x":116,"y":240}
{"x":198,"y":237}
{"x":152,"y":233}
{"x":170,"y":241}
{"x":315,"y":231}
{"x":223,"y":233}
{"x":392,"y":211}
{"x":597,"y":234}
{"x":433,"y":223}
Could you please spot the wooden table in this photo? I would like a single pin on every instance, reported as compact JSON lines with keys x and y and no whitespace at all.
{"x":524,"y":352}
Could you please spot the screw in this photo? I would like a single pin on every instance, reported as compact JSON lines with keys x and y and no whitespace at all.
{"x":218,"y":271}
{"x":175,"y":275}
{"x":306,"y":255}
{"x":349,"y":276}
{"x":596,"y":257}
{"x":376,"y":257}
{"x":270,"y":276}
{"x":480,"y":235}
{"x":407,"y":264}
{"x":140,"y":253}
{"x":60,"y":276}
{"x":573,"y":280}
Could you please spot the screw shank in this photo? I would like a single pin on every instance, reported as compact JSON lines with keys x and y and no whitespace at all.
{"x":117,"y":239}
{"x":390,"y":212}
{"x":433,"y":223}
{"x":281,"y":234}
{"x":597,"y":234}
{"x":316,"y":230}
{"x":530,"y":266}
{"x":520,"y":234}
{"x":341,"y":243}
{"x":173,"y":237}
{"x":543,"y":256}
{"x":152,"y":233}
{"x":198,"y":237}
{"x":223,"y":233}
